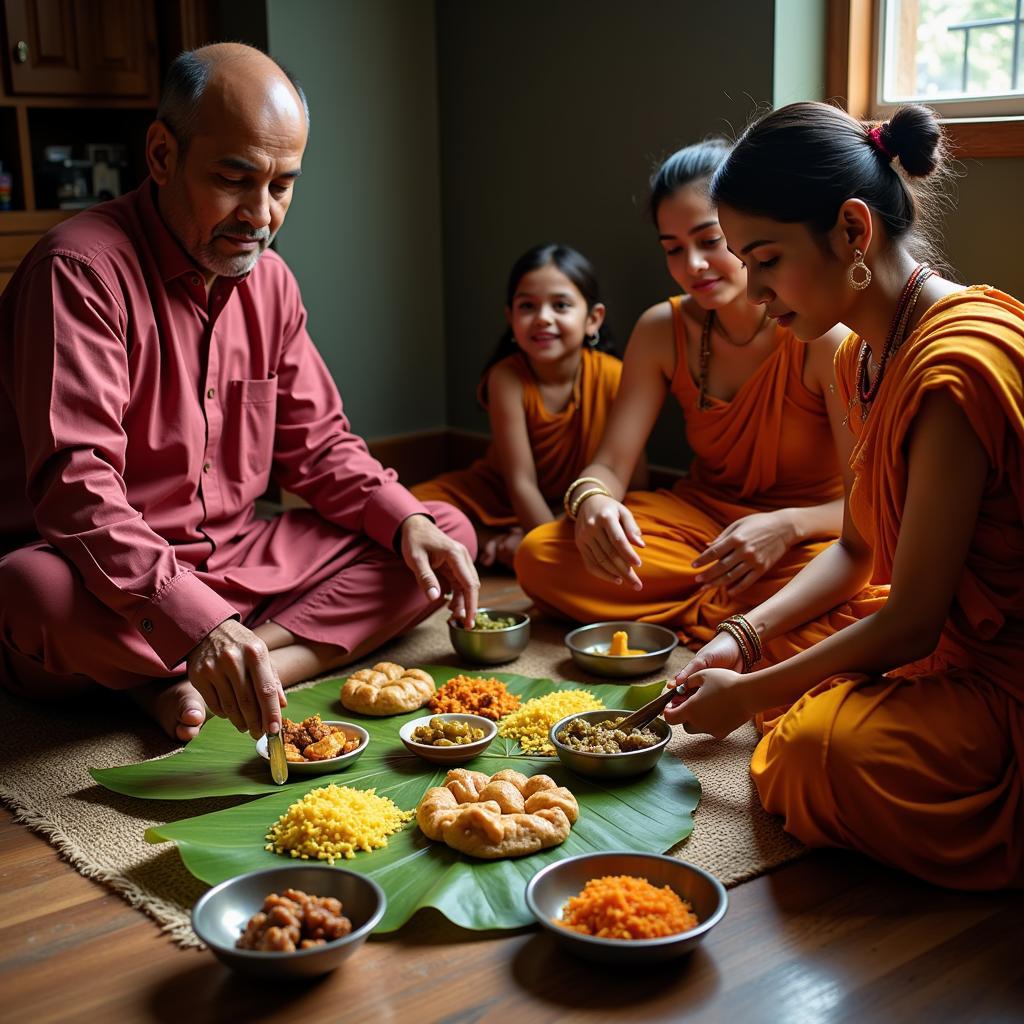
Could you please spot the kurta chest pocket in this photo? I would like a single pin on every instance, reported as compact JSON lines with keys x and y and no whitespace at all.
{"x":249,"y":428}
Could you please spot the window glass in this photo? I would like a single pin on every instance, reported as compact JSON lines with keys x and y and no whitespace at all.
{"x":953,"y":52}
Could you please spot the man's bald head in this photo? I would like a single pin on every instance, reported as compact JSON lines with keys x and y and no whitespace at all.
{"x":210,"y":73}
{"x":225,"y":152}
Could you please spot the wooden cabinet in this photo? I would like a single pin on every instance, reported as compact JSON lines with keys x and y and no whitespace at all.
{"x":84,"y":75}
{"x":76,"y":74}
{"x":82,"y":48}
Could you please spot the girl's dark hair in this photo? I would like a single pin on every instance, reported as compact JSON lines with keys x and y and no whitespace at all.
{"x":576,"y":267}
{"x":692,"y":163}
{"x":800,"y":163}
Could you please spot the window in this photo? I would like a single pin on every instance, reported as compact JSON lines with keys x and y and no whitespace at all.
{"x":964,"y":58}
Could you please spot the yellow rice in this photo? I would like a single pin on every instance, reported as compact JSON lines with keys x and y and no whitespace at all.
{"x":335,"y":821}
{"x":532,"y":722}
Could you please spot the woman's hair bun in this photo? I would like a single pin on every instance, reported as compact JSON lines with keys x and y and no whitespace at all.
{"x":913,"y":134}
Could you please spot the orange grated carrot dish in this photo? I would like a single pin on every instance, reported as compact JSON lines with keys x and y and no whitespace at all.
{"x":468,"y":695}
{"x":626,"y":907}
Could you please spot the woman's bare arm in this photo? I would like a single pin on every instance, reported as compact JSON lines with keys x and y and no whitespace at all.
{"x":606,"y":533}
{"x":935,"y":534}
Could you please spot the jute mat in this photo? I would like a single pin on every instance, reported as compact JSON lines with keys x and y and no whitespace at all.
{"x":44,"y":779}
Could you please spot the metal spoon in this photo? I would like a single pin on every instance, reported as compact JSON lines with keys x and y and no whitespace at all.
{"x":650,"y":710}
{"x":278,"y":760}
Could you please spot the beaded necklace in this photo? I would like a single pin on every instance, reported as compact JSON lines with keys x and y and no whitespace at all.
{"x":867,"y":388}
{"x":705,"y":352}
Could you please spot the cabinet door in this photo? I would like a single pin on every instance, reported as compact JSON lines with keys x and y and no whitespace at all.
{"x":82,"y":47}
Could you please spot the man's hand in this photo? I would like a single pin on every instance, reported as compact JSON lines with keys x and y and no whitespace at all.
{"x":439,"y":562}
{"x":231,"y":669}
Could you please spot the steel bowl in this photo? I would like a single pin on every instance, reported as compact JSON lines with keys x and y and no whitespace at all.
{"x":491,"y":646}
{"x":220,"y":916}
{"x":331,"y":764}
{"x":549,"y":889}
{"x":587,"y":643}
{"x":449,"y":755}
{"x":610,"y":766}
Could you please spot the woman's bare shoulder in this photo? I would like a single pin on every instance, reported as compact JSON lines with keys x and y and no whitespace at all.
{"x":504,"y":379}
{"x":653,"y":337}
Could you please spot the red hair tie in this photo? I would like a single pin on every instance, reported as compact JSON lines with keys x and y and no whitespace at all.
{"x":875,"y":135}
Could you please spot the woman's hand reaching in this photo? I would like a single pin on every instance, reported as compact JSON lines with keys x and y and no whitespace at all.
{"x":721,"y":651}
{"x":607,"y":537}
{"x":745,"y":550}
{"x":713,"y":703}
{"x":714,"y":700}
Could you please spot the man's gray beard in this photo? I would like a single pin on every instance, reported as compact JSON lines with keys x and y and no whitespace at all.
{"x":227,"y":266}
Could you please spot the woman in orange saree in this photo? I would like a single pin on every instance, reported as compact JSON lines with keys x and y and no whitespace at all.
{"x":901,"y":736}
{"x":763,"y":494}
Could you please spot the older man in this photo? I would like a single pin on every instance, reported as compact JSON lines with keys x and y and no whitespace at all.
{"x":156,"y":374}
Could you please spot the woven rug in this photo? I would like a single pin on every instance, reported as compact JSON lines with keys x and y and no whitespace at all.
{"x":45,"y":782}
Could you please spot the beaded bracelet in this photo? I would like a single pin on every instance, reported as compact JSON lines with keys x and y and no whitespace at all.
{"x":588,"y":493}
{"x":756,"y":649}
{"x":572,"y":487}
{"x":737,"y":634}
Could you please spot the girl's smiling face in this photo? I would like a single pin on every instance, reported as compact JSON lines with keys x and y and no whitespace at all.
{"x":695,"y":251}
{"x":800,"y":281}
{"x":549,"y":316}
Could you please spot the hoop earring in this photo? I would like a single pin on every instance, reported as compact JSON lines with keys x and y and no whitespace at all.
{"x":858,"y":284}
{"x":592,"y":342}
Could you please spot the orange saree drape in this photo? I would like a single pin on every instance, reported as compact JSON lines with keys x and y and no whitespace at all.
{"x":922,"y":768}
{"x":562,"y":444}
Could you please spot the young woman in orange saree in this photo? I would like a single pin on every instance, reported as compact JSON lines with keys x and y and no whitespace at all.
{"x":901,"y":736}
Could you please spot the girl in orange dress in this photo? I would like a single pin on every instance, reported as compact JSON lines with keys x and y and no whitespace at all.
{"x":763,"y":494}
{"x":547,"y":389}
{"x":901,"y":736}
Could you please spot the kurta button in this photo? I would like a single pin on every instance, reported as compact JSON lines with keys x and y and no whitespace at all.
{"x":195,"y":281}
{"x":206,"y":467}
{"x":210,"y":393}
{"x":147,"y":625}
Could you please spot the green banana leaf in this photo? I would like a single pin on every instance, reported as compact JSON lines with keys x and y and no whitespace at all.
{"x":221,"y":761}
{"x":650,"y":814}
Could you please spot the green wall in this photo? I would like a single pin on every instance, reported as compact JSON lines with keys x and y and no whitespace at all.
{"x":363,"y":234}
{"x":799,"y":51}
{"x":983,"y":233}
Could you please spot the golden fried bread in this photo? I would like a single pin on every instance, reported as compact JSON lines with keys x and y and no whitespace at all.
{"x":503,"y":815}
{"x":330,"y":746}
{"x":387,"y":689}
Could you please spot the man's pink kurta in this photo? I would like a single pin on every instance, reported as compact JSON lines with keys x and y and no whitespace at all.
{"x":141,"y":420}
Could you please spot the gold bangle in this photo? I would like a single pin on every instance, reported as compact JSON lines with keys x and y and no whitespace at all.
{"x":756,"y":648}
{"x":588,"y":493}
{"x":737,"y":634}
{"x":576,"y":483}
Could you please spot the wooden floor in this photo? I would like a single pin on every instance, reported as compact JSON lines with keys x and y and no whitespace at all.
{"x":832,"y":937}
